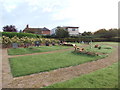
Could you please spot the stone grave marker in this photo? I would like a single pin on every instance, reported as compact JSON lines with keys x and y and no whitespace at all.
{"x":47,"y":43}
{"x":37,"y":43}
{"x":53,"y":43}
{"x":14,"y":45}
{"x":26,"y":45}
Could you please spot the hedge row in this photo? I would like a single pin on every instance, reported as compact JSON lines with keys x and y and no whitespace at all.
{"x":117,"y":39}
{"x":20,"y":35}
{"x":7,"y":42}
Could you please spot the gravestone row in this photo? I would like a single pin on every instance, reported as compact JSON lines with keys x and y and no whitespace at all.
{"x":37,"y":44}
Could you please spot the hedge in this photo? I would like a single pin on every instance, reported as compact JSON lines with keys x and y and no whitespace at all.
{"x":115,"y":39}
{"x":20,"y":35}
{"x":7,"y":42}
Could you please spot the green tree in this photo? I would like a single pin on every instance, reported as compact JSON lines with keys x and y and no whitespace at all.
{"x":100,"y":33}
{"x":103,"y":33}
{"x":61,"y":32}
{"x":86,"y":33}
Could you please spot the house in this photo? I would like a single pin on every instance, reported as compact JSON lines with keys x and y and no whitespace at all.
{"x":73,"y":31}
{"x":43,"y":31}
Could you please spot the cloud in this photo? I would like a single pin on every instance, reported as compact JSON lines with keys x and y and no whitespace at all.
{"x":10,"y":5}
{"x":87,"y":14}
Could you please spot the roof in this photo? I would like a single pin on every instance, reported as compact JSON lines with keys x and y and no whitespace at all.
{"x":70,"y":27}
{"x":33,"y":29}
{"x":45,"y":29}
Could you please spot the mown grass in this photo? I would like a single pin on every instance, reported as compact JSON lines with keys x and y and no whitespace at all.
{"x":104,"y":49}
{"x":26,"y":65}
{"x":20,"y":51}
{"x":103,"y":78}
{"x":111,"y":43}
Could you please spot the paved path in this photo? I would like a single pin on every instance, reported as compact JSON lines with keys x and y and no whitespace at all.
{"x":54,"y":76}
{"x":0,"y":67}
{"x":6,"y":72}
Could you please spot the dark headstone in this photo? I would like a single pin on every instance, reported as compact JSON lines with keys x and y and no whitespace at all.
{"x":47,"y":43}
{"x":26,"y":45}
{"x":53,"y":43}
{"x":37,"y":43}
{"x":14,"y":45}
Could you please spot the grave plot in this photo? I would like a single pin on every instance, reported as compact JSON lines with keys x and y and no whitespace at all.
{"x":26,"y":65}
{"x":29,"y":50}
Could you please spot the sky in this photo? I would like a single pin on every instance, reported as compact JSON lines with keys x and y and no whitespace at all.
{"x":88,"y":15}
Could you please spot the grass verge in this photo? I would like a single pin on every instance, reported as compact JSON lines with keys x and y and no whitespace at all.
{"x":103,"y":78}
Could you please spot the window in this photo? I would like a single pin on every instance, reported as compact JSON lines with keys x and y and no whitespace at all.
{"x":73,"y":29}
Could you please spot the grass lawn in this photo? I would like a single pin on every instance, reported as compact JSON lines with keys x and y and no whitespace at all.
{"x":112,"y":43}
{"x":104,"y":49}
{"x":20,"y":51}
{"x":26,"y":65}
{"x":103,"y":78}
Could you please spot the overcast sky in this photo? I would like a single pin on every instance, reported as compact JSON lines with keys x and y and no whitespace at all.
{"x":89,"y":15}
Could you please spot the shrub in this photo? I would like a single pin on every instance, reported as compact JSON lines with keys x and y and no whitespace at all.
{"x":6,"y":41}
{"x":20,"y":35}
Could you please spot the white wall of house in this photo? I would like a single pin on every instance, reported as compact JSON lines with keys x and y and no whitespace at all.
{"x":73,"y":31}
{"x":52,"y":31}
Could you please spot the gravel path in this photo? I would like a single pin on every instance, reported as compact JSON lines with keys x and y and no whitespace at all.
{"x":0,"y":68}
{"x":54,"y":76}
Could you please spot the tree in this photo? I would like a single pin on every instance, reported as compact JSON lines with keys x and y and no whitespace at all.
{"x":10,"y":28}
{"x":111,"y":33}
{"x":61,"y":32}
{"x":103,"y":33}
{"x":86,"y":33}
{"x":20,"y":31}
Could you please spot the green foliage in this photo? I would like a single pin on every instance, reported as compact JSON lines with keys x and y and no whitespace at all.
{"x":20,"y":35}
{"x":61,"y":33}
{"x":7,"y":41}
{"x":103,"y":78}
{"x":86,"y":33}
{"x":103,"y":33}
{"x":114,"y":39}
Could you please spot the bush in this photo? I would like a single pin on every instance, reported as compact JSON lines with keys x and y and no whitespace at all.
{"x":115,"y":39}
{"x":19,"y":35}
{"x":88,"y":39}
{"x":6,"y":41}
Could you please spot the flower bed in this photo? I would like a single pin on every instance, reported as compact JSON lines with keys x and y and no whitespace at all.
{"x":6,"y":41}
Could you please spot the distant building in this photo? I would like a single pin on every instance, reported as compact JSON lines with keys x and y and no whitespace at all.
{"x":73,"y":31}
{"x":42,"y":31}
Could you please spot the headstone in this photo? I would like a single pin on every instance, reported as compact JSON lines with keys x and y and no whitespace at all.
{"x":47,"y":43}
{"x":82,"y":42}
{"x":14,"y":45}
{"x":26,"y":45}
{"x":53,"y":43}
{"x":37,"y":43}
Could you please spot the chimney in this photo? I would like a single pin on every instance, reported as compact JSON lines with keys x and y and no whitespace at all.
{"x":27,"y":26}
